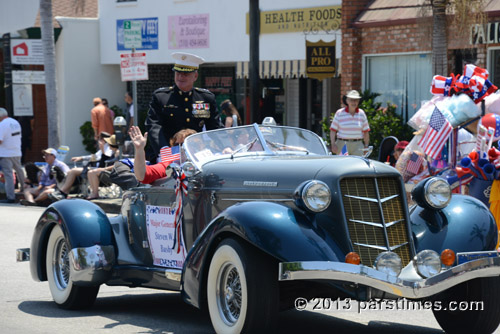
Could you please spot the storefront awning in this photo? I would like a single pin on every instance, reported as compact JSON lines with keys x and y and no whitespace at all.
{"x":269,"y":69}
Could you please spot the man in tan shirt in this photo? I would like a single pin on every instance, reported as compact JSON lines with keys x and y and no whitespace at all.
{"x":102,"y":119}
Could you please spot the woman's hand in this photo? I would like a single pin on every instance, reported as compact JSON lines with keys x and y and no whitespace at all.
{"x":137,"y":138}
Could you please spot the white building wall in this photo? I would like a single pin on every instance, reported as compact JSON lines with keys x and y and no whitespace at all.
{"x":81,"y":77}
{"x":229,"y":41}
{"x":17,"y":15}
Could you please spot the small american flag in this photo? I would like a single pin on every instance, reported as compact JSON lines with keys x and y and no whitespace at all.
{"x":435,"y":136}
{"x":414,"y":163}
{"x":344,"y":150}
{"x":169,"y":154}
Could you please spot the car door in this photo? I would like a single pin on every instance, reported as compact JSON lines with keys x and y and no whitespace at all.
{"x":151,"y":230}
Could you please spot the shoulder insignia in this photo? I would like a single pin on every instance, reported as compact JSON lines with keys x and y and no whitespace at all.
{"x":202,"y":90}
{"x":164,"y":89}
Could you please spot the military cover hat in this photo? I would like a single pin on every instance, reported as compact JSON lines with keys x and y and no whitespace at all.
{"x":186,"y":62}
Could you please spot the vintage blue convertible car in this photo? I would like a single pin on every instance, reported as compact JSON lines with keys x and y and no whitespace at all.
{"x":257,"y":216}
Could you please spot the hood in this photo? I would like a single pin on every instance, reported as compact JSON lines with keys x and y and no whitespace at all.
{"x":288,"y":171}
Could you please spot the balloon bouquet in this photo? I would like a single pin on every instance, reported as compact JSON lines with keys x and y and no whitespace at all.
{"x":482,"y":165}
{"x":458,"y":99}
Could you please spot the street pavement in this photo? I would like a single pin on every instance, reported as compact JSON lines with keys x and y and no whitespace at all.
{"x":27,"y":307}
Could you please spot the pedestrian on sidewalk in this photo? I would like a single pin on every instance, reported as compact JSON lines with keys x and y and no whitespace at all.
{"x":95,"y":160}
{"x":233,"y":118}
{"x":101,"y":118}
{"x":47,"y":182}
{"x":93,"y":174}
{"x":10,"y":154}
{"x":350,"y":126}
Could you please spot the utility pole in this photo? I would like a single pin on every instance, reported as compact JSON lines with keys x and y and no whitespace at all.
{"x":7,"y":65}
{"x":134,"y":97}
{"x":254,"y":22}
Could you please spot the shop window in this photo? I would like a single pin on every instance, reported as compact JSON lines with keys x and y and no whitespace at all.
{"x":402,"y":80}
{"x":494,"y":65}
{"x":462,"y":58}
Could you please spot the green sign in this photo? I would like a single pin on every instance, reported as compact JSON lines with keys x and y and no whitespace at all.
{"x":132,"y":36}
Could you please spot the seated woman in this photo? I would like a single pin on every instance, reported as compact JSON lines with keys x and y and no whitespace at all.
{"x":149,"y":173}
{"x":104,"y":154}
{"x":93,"y":174}
{"x":243,"y":140}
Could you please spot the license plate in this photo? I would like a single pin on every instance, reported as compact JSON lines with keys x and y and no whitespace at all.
{"x":466,"y":257}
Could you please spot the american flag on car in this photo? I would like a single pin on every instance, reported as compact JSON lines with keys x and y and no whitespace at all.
{"x":170,"y":154}
{"x":414,"y":163}
{"x":344,"y":150}
{"x":436,"y":135}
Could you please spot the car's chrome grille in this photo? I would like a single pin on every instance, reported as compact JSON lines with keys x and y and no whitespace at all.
{"x":375,"y":217}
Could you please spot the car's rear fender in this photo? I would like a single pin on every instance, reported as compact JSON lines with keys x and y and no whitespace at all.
{"x":281,"y":232}
{"x":85,"y":227}
{"x":465,"y":225}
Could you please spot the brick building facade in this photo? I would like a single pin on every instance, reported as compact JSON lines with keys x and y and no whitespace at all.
{"x":379,"y":35}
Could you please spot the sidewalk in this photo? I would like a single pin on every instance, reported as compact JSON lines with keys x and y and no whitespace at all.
{"x":109,"y":205}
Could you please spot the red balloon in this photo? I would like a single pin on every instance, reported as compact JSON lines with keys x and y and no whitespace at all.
{"x":492,"y":121}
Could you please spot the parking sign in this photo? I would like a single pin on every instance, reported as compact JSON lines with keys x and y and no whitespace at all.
{"x":133,"y":66}
{"x":141,"y":34}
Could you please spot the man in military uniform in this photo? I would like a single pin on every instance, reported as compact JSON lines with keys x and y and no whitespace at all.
{"x":180,"y":106}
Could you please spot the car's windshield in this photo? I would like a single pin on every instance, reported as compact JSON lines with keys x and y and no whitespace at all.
{"x":251,"y":140}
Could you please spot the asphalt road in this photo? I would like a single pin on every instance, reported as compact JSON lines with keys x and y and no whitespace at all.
{"x":26,"y":306}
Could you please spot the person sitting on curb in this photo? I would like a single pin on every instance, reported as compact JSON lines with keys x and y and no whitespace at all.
{"x":104,"y":154}
{"x":93,"y":174}
{"x":47,"y":182}
{"x":147,"y":174}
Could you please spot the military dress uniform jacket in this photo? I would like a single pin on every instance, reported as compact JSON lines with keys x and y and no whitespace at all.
{"x":172,"y":110}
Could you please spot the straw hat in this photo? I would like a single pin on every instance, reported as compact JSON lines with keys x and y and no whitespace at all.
{"x":353,"y":94}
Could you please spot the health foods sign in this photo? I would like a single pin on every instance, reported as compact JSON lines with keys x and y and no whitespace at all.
{"x":299,"y":20}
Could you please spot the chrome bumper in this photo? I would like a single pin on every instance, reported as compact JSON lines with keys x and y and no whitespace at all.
{"x":22,"y":254}
{"x":408,"y":284}
{"x":91,"y":265}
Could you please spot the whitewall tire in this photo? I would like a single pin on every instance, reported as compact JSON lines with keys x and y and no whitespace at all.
{"x":242,"y":289}
{"x":64,"y":292}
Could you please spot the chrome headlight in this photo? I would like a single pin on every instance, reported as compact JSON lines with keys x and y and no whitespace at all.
{"x":313,"y":195}
{"x":428,"y":263}
{"x":434,"y":193}
{"x":389,"y":263}
{"x":189,"y":169}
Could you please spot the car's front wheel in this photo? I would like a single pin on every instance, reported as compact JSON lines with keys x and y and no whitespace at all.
{"x":64,"y":292}
{"x":470,"y":307}
{"x":242,"y":289}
